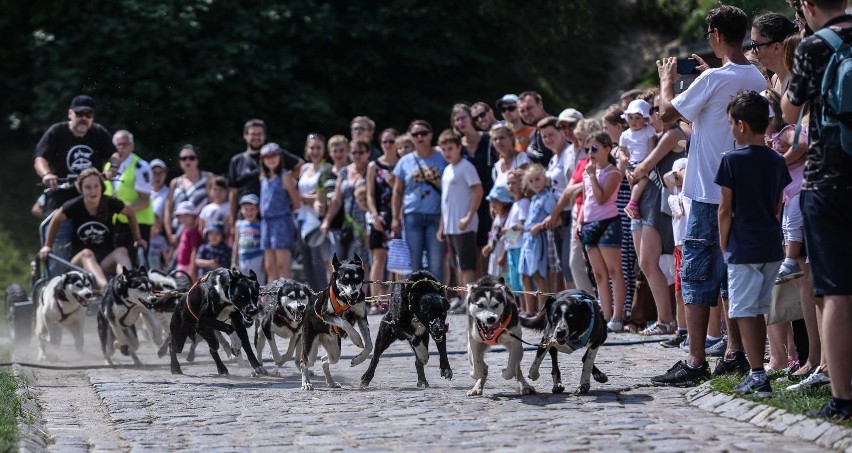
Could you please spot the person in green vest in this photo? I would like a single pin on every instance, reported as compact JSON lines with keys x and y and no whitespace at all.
{"x":132,"y":185}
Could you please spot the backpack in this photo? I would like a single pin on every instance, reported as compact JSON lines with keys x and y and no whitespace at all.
{"x":836,"y":92}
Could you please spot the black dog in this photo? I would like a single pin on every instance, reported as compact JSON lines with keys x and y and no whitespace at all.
{"x":220,"y":296}
{"x":283,"y":305}
{"x":416,"y":310}
{"x":569,"y":321}
{"x":331,"y":316}
{"x":127,"y":298}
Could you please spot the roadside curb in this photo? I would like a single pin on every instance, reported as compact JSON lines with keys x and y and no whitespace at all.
{"x":31,"y":433}
{"x":822,"y":433}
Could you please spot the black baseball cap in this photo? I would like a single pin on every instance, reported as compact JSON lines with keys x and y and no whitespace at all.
{"x":82,"y":102}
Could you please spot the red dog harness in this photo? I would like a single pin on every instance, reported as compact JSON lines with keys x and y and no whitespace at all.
{"x":500,"y":330}
{"x":336,"y":306}
{"x":186,"y":297}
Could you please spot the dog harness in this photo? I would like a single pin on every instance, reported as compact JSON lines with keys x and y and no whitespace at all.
{"x":499,"y":331}
{"x":336,"y":306}
{"x":186,"y":297}
{"x":583,"y":340}
{"x":60,"y":296}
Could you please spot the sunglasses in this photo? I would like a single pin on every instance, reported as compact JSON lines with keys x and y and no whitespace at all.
{"x":480,"y":116}
{"x":85,"y":114}
{"x":592,"y":149}
{"x":188,"y":158}
{"x":755,"y":45}
{"x":508,"y":108}
{"x":420,"y":134}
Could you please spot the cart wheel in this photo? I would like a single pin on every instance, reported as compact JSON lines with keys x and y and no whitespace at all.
{"x":20,"y":314}
{"x":183,"y":280}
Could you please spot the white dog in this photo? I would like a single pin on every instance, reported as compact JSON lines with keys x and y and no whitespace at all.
{"x":62,"y":302}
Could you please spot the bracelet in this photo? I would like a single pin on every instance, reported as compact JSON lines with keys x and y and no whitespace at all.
{"x":46,"y":173}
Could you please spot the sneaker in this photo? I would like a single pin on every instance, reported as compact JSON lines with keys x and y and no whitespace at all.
{"x":683,"y":375}
{"x":736,"y":365}
{"x":816,"y":379}
{"x":755,"y":384}
{"x":615,"y":326}
{"x":831,"y":412}
{"x":674,"y":341}
{"x":716,"y":348}
{"x":788,"y":272}
{"x":685,"y":344}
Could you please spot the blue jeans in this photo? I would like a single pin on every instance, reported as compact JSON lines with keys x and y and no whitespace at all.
{"x":420,"y":232}
{"x":703,"y":272}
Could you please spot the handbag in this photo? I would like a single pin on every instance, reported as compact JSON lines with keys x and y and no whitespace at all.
{"x":399,"y":257}
{"x":591,"y":232}
{"x":786,"y":305}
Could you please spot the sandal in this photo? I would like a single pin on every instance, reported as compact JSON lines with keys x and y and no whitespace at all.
{"x":632,"y":210}
{"x":659,"y":328}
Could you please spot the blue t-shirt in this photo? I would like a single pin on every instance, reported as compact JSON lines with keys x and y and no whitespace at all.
{"x":420,"y":196}
{"x":219,"y":252}
{"x":757,"y":175}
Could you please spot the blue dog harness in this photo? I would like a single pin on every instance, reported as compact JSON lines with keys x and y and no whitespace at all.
{"x":584,"y":337}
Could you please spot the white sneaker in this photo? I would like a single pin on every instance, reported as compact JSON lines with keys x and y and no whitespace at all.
{"x":615,"y":325}
{"x":815,"y":379}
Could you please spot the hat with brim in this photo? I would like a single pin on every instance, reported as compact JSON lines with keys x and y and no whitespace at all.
{"x":249,"y":198}
{"x":501,"y":194}
{"x":214,"y":227}
{"x":158,"y":163}
{"x":506,"y":99}
{"x":185,"y":207}
{"x":81,"y":103}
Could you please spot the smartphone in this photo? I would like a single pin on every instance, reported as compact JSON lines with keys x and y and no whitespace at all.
{"x":686,"y":66}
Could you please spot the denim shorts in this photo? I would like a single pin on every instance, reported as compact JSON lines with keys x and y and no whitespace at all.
{"x":611,"y":236}
{"x":703,"y":269}
{"x":827,"y":213}
{"x":277,"y":233}
{"x":750,"y":288}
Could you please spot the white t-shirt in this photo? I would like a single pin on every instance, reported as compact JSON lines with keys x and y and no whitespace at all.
{"x":500,"y":177}
{"x":158,"y":200}
{"x":557,"y":172}
{"x":142,"y":181}
{"x":638,"y":143}
{"x":456,"y":195}
{"x":516,"y":218}
{"x":705,"y":105}
{"x":680,"y":205}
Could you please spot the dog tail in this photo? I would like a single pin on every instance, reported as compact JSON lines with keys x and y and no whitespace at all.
{"x":537,"y":322}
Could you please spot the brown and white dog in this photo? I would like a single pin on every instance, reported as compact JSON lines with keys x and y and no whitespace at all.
{"x":62,"y":303}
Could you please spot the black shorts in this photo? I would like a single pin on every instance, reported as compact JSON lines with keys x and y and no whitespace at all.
{"x":463,"y":250}
{"x":827,"y":213}
{"x":379,"y":239}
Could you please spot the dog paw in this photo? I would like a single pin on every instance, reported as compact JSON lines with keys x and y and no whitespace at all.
{"x":190,"y":357}
{"x":176,"y":371}
{"x":600,"y":377}
{"x":474,"y":392}
{"x":508,"y":373}
{"x":582,"y":389}
{"x":534,"y":375}
{"x":333,"y":385}
{"x":358,"y":342}
{"x":364,"y":385}
{"x":527,"y":390}
{"x":447,"y":373}
{"x":260,"y":371}
{"x":276,"y":372}
{"x":125,"y":349}
{"x":558,"y":388}
{"x":307,"y":386}
{"x":359,"y":359}
{"x":422,"y":384}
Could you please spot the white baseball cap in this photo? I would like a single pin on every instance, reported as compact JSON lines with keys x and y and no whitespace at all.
{"x":570,"y":116}
{"x":638,"y":106}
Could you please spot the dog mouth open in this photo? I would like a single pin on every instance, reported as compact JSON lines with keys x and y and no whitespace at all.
{"x":297,"y":315}
{"x":82,"y":299}
{"x":488,"y":330}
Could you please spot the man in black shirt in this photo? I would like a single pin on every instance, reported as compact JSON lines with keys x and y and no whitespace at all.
{"x":532,"y":111}
{"x":826,"y":199}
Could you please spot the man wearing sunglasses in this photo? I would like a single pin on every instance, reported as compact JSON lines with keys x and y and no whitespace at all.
{"x":66,"y":149}
{"x":483,"y":116}
{"x":508,"y":107}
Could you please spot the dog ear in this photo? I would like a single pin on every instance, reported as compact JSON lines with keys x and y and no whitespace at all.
{"x":335,"y":263}
{"x":143,"y":270}
{"x":548,"y":303}
{"x":501,"y":280}
{"x":357,"y":259}
{"x":123,"y":270}
{"x":252,"y":275}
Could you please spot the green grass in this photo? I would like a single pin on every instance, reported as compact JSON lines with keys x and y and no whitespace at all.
{"x":10,"y":408}
{"x":794,"y":402}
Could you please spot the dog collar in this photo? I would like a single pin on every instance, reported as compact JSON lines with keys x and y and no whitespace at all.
{"x":584,"y":337}
{"x":500,"y":330}
{"x":335,"y":305}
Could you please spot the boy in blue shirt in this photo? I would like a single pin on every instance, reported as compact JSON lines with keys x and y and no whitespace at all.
{"x":752,"y":179}
{"x":214,"y":253}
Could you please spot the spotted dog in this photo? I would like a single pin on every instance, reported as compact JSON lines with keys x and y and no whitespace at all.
{"x":569,"y":321}
{"x":223,"y":300}
{"x":283,"y":305}
{"x":127,"y":298}
{"x":418,"y":308}
{"x":331,"y":316}
{"x":62,"y":302}
{"x":492,"y":319}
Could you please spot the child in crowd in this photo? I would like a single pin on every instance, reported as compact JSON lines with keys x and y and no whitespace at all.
{"x":279,"y":197}
{"x":461,"y":194}
{"x":248,"y":255}
{"x":214,"y":253}
{"x":635,"y":144}
{"x":749,"y":230}
{"x":680,"y":205}
{"x":216,"y":210}
{"x":513,"y":232}
{"x":500,"y":203}
{"x":189,"y":240}
{"x":533,"y":263}
{"x":599,"y":227}
{"x":404,"y":144}
{"x":779,"y":136}
{"x":159,"y":252}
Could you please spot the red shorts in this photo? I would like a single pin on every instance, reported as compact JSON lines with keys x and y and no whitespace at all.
{"x":678,"y":257}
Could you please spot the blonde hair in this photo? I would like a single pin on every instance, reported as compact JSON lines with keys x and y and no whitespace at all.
{"x":587,"y":127}
{"x":338,"y":140}
{"x":506,"y":126}
{"x":533,"y":170}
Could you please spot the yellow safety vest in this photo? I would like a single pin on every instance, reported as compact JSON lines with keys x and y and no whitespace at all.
{"x":128,"y":194}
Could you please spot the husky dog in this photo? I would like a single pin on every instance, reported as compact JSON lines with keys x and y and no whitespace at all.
{"x":330,"y":317}
{"x":418,"y":308}
{"x":221,"y":295}
{"x":569,"y":321}
{"x":283,"y":305}
{"x":127,"y":298}
{"x":62,"y":302}
{"x":492,"y":319}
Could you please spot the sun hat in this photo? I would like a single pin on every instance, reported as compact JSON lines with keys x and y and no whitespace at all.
{"x":249,"y":198}
{"x":501,"y":194}
{"x":158,"y":163}
{"x":638,"y":106}
{"x":570,"y":116}
{"x":218,"y":227}
{"x":185,"y":207}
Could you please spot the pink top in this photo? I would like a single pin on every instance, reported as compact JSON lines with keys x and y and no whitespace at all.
{"x":797,"y":169}
{"x":592,"y":210}
{"x":189,"y":240}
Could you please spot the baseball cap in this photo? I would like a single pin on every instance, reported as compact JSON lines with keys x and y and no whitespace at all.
{"x":638,"y":106}
{"x":158,"y":163}
{"x":249,"y":198}
{"x":501,"y":194}
{"x":270,"y":148}
{"x":185,"y":207}
{"x":506,"y":99}
{"x":82,"y":102}
{"x":218,"y":227}
{"x":679,"y":164}
{"x":570,"y":116}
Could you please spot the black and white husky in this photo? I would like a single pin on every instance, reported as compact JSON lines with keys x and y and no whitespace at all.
{"x":331,"y":316}
{"x":127,"y":298}
{"x":62,"y":302}
{"x":492,"y":319}
{"x":570,"y":321}
{"x":282,"y":310}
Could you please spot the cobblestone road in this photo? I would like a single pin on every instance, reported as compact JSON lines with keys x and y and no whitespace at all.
{"x":152,"y":410}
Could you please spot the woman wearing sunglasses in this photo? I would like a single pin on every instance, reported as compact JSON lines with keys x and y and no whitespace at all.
{"x":380,"y":182}
{"x":768,"y":32}
{"x":190,"y":186}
